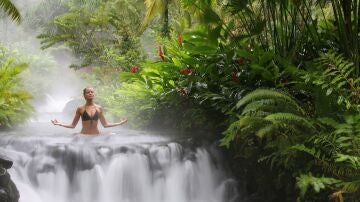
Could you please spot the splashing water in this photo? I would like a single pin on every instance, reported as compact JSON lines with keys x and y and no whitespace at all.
{"x":126,"y":167}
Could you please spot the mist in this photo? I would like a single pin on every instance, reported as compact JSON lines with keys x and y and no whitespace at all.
{"x":48,"y":77}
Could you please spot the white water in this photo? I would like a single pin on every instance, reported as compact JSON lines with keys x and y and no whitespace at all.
{"x":127,"y":166}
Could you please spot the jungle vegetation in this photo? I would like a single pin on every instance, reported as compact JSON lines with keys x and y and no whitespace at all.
{"x":275,"y":82}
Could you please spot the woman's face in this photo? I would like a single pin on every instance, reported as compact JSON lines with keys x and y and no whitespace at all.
{"x":89,"y":94}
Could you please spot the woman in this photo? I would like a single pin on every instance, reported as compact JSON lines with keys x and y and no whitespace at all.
{"x":90,"y":113}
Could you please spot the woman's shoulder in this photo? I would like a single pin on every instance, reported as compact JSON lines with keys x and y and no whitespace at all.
{"x":80,"y":108}
{"x":98,"y":107}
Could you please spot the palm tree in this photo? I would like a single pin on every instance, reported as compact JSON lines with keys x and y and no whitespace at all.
{"x":10,"y":10}
{"x":155,"y":7}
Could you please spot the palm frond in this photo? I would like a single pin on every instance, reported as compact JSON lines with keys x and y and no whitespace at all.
{"x":10,"y":10}
{"x":153,"y":8}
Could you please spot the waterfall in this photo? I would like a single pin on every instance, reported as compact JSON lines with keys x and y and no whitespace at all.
{"x":127,"y":166}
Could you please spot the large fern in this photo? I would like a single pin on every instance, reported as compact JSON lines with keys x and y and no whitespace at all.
{"x":268,"y":114}
{"x":336,"y":152}
{"x":274,"y":124}
{"x":336,"y":76}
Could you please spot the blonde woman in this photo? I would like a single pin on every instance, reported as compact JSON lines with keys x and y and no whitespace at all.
{"x":90,"y":113}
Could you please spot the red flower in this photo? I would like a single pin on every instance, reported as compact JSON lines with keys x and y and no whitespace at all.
{"x":161,"y":53}
{"x":183,"y":92}
{"x":241,"y":61}
{"x":133,"y":69}
{"x":186,"y":71}
{"x":234,"y":77}
{"x":180,"y":40}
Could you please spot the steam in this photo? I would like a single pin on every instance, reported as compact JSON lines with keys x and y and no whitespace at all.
{"x":48,"y":77}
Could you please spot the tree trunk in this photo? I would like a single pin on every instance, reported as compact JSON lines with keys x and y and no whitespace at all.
{"x":165,"y":30}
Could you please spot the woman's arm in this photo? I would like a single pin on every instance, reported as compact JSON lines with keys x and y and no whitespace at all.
{"x":106,"y":124}
{"x":74,"y":122}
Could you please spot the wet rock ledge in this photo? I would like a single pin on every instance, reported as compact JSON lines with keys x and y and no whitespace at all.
{"x":8,"y":190}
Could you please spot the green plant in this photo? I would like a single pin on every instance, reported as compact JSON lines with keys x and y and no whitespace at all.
{"x":335,"y":151}
{"x":98,"y":33}
{"x":10,"y":10}
{"x":270,"y":115}
{"x":324,"y":154}
{"x":336,"y":75}
{"x":14,"y":102}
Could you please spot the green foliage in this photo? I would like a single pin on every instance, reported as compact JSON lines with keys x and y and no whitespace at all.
{"x":130,"y":100}
{"x":14,"y":102}
{"x":152,"y":97}
{"x":271,"y":128}
{"x":268,"y":113}
{"x":98,"y":33}
{"x":336,"y":75}
{"x":288,"y":28}
{"x":336,"y":152}
{"x":282,"y":136}
{"x":10,"y":10}
{"x":260,"y":98}
{"x":346,"y":25}
{"x":154,"y":7}
{"x":239,"y":70}
{"x":317,"y":183}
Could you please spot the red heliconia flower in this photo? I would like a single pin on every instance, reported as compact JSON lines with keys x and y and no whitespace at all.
{"x":186,"y":71}
{"x":234,"y":77}
{"x":180,"y":40}
{"x":133,"y":69}
{"x":161,"y":53}
{"x":183,"y":92}
{"x":241,"y":61}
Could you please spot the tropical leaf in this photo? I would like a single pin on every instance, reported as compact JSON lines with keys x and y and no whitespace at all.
{"x":10,"y":10}
{"x":305,"y":181}
{"x":261,"y":94}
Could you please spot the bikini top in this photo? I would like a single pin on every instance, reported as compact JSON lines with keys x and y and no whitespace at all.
{"x":85,"y":116}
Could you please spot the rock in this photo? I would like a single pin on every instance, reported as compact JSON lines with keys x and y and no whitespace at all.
{"x":8,"y":190}
{"x":5,"y":162}
{"x":4,"y":197}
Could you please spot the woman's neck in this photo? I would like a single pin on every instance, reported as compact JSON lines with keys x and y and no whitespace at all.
{"x":89,"y":102}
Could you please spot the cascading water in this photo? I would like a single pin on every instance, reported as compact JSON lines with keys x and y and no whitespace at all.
{"x":126,"y":166}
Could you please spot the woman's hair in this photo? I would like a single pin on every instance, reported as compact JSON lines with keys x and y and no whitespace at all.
{"x":84,"y":91}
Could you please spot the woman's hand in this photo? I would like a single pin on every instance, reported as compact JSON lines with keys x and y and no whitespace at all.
{"x":55,"y":122}
{"x":123,"y":120}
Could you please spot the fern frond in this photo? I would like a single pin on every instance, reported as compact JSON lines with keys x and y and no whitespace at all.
{"x":317,"y":183}
{"x":336,"y":76}
{"x":336,"y":169}
{"x":261,"y":94}
{"x":303,"y":148}
{"x":269,"y":129}
{"x":269,"y":105}
{"x":288,"y":118}
{"x":245,"y":126}
{"x":351,"y":187}
{"x":352,"y":161}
